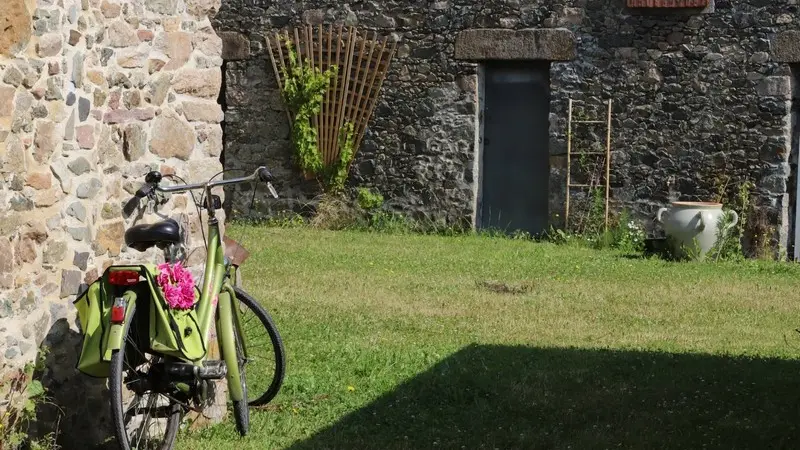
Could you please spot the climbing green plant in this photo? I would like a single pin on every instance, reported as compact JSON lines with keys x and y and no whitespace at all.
{"x":303,"y":91}
{"x":338,"y":172}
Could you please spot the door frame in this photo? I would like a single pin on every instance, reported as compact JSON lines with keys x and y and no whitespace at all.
{"x":480,"y":123}
{"x":794,"y":152}
{"x":477,"y":186}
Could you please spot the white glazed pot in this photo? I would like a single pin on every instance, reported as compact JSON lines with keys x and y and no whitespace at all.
{"x":693,"y":226}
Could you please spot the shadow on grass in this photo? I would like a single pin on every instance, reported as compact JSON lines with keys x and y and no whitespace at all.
{"x":524,"y":398}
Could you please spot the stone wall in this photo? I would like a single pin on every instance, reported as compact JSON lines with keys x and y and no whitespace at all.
{"x":698,"y":96}
{"x":93,"y":94}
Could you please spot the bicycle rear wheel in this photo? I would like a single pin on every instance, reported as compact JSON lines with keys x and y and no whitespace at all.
{"x":145,"y":415}
{"x":266,"y":358}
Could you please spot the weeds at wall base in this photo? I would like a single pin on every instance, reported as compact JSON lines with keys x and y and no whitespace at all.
{"x":363,"y":209}
{"x":360,"y":210}
{"x":20,"y":395}
{"x":752,"y":237}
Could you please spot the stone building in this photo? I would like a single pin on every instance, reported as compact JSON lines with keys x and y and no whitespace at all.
{"x":93,"y":94}
{"x":473,"y":114}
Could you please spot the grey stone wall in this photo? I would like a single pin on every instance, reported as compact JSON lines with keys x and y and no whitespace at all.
{"x":697,"y":97}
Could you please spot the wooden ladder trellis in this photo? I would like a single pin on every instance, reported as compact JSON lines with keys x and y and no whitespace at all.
{"x":352,"y":96}
{"x":570,"y":153}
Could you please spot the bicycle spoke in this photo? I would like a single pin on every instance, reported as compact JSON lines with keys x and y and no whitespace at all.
{"x":140,"y":432}
{"x":265,"y":360}
{"x":144,"y":426}
{"x":144,"y":417}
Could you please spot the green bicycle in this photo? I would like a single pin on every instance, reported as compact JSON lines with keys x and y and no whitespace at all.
{"x":154,"y":353}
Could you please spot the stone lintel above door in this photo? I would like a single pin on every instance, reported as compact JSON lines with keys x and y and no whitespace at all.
{"x":535,"y":44}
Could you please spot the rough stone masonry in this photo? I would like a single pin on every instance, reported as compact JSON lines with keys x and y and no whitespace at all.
{"x":699,"y":95}
{"x":93,"y":94}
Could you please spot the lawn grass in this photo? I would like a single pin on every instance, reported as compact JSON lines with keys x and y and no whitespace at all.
{"x":408,"y":341}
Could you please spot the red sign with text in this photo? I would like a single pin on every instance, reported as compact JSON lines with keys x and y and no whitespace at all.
{"x":668,"y":3}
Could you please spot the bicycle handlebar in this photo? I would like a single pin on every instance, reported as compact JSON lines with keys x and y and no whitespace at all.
{"x":261,"y":173}
{"x":152,"y":180}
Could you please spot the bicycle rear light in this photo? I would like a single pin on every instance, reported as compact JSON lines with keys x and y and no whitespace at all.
{"x":123,"y":277}
{"x":118,"y":311}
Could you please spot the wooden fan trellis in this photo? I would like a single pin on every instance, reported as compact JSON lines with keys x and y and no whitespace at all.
{"x":362,"y":62}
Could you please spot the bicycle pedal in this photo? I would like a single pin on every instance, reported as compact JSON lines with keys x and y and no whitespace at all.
{"x":212,"y":370}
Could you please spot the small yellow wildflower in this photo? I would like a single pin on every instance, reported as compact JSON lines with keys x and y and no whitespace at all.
{"x":351,"y":388}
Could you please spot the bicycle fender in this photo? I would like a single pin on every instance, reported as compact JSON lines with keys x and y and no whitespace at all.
{"x":116,"y":333}
{"x":237,"y":318}
{"x":227,"y":344}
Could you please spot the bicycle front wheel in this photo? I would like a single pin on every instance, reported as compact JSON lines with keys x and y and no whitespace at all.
{"x":266,"y":359}
{"x":144,"y":413}
{"x":241,"y":413}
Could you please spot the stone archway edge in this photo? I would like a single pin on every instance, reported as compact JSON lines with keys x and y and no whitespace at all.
{"x":786,"y":47}
{"x":547,"y":44}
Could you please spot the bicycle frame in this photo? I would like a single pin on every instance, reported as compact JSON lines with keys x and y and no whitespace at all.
{"x":216,"y":284}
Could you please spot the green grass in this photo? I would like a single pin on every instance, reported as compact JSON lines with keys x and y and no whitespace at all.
{"x":404,"y":342}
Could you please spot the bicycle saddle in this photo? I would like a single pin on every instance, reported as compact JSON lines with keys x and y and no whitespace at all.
{"x":141,"y":237}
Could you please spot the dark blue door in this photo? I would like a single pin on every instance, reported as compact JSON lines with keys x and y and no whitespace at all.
{"x":515,"y":166}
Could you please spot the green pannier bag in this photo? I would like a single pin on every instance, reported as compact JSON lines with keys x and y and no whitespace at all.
{"x":173,"y":332}
{"x":94,"y":314}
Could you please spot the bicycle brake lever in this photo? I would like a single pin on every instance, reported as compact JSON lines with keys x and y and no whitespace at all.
{"x":272,"y":190}
{"x":145,"y":191}
{"x":130,"y":206}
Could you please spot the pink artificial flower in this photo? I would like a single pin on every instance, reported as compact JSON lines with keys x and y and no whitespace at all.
{"x":177,"y":284}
